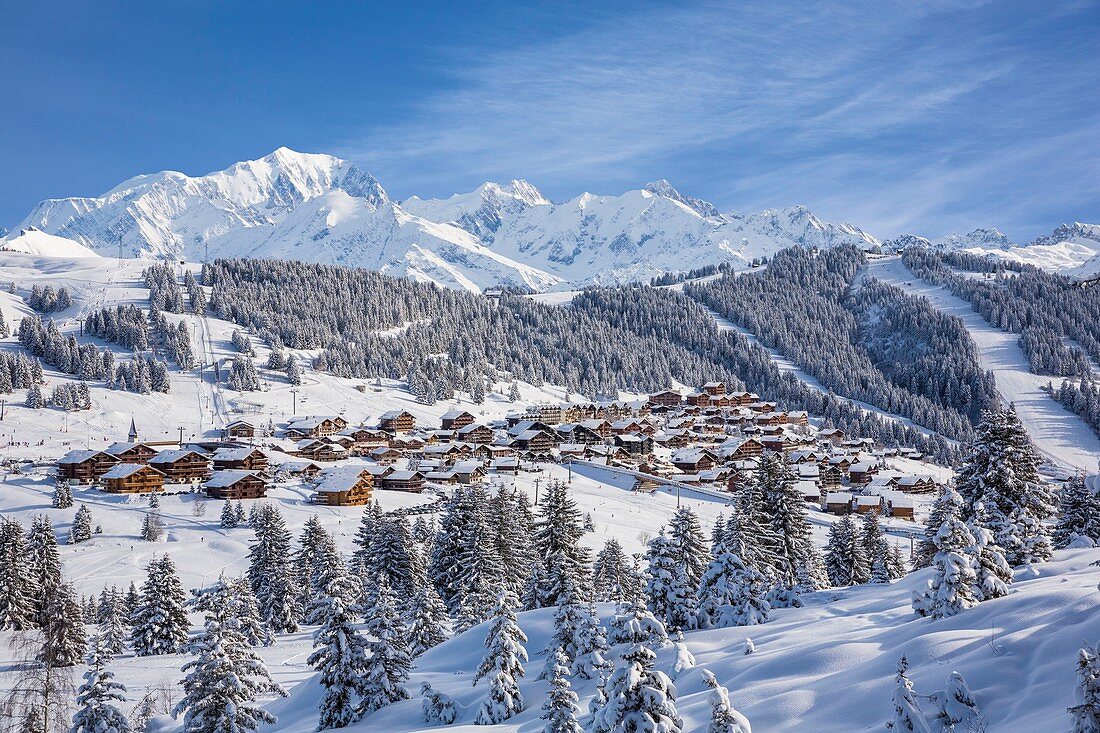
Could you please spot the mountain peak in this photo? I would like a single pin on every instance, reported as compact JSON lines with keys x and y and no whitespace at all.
{"x":665,"y":189}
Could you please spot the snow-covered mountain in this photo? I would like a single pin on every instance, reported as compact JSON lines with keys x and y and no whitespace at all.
{"x":323,"y":209}
{"x":32,"y":241}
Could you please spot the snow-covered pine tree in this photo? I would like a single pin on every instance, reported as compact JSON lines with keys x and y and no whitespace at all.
{"x":340,"y":656}
{"x":1002,"y":473}
{"x":464,"y":565}
{"x":45,"y":564}
{"x":388,"y":661}
{"x":96,"y":711}
{"x":639,"y":698}
{"x":723,"y":717}
{"x":513,"y":527}
{"x":951,"y":588}
{"x":566,"y":562}
{"x":1078,"y":515}
{"x":229,"y":515}
{"x":634,"y":624}
{"x":428,"y":621}
{"x":64,"y":628}
{"x":113,"y":629}
{"x":17,"y":587}
{"x":876,"y":548}
{"x":62,"y":495}
{"x":152,"y":525}
{"x":270,"y":573}
{"x":957,"y":704}
{"x":437,"y":707}
{"x":82,"y":524}
{"x":560,"y":708}
{"x":992,"y":572}
{"x":787,"y":513}
{"x":293,"y":371}
{"x":1086,"y":711}
{"x":225,"y":679}
{"x":590,"y":642}
{"x":907,"y":715}
{"x":689,"y":546}
{"x":613,"y":578}
{"x":159,"y":623}
{"x":732,"y":593}
{"x":926,"y":547}
{"x":660,"y":576}
{"x":845,"y":561}
{"x":502,"y":664}
{"x":513,"y":393}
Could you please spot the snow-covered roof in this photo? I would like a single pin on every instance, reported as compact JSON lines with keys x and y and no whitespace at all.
{"x":78,"y":456}
{"x":223,"y":479}
{"x":125,"y":470}
{"x":838,"y":497}
{"x":171,"y":456}
{"x":234,"y":454}
{"x":343,"y":478}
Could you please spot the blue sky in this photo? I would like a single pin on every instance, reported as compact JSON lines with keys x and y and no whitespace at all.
{"x":924,"y":117}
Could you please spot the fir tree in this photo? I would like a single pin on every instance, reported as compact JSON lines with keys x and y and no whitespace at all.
{"x":225,"y":679}
{"x":502,"y":664}
{"x":590,"y":644}
{"x":877,"y":549}
{"x":113,"y":629}
{"x":389,"y":661}
{"x":1078,"y":515}
{"x":639,"y":698}
{"x":926,"y":547}
{"x":293,"y":371}
{"x":62,"y":495}
{"x":613,"y":578}
{"x":45,"y":564}
{"x":634,"y":624}
{"x":96,"y":711}
{"x":229,"y":515}
{"x":64,"y":628}
{"x":723,"y":717}
{"x":341,"y":657}
{"x":845,"y":560}
{"x":82,"y":524}
{"x":560,"y":708}
{"x":557,"y":536}
{"x":437,"y":707}
{"x":951,"y":589}
{"x":1086,"y":711}
{"x":269,"y":572}
{"x":957,"y":703}
{"x":661,"y":574}
{"x":17,"y":584}
{"x":732,"y":593}
{"x":428,"y":621}
{"x":992,"y":572}
{"x":159,"y":623}
{"x":907,"y":715}
{"x":512,"y":529}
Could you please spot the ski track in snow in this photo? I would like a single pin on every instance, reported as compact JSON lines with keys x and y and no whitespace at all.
{"x":1058,"y":434}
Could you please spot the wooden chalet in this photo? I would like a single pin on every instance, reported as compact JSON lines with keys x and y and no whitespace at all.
{"x":666,"y":398}
{"x":902,"y":507}
{"x":344,"y":486}
{"x":182,"y":466}
{"x":635,"y":444}
{"x":321,"y":450}
{"x":131,"y":452}
{"x":693,"y":460}
{"x":240,"y":429}
{"x":385,"y":455}
{"x":132,"y":478}
{"x":599,"y":426}
{"x":403,"y":481}
{"x":535,"y":441}
{"x":244,"y":459}
{"x":577,"y":433}
{"x":868,"y":505}
{"x":505,"y":464}
{"x":914,"y":484}
{"x":235,"y":484}
{"x":397,"y":421}
{"x":837,"y":502}
{"x":749,"y":448}
{"x":314,"y":426}
{"x":861,"y":473}
{"x":84,"y":466}
{"x":475,"y":433}
{"x":305,"y":469}
{"x":455,"y":419}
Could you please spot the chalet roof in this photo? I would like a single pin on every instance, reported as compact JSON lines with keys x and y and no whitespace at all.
{"x":504,"y":462}
{"x":528,"y":435}
{"x":336,"y":480}
{"x":467,"y":429}
{"x":125,"y":470}
{"x":394,"y":414}
{"x":117,"y":448}
{"x":903,"y":502}
{"x":862,"y":467}
{"x":868,"y":500}
{"x":838,"y":497}
{"x":79,"y":456}
{"x":807,"y":488}
{"x":307,"y":423}
{"x":454,"y":414}
{"x":243,"y":423}
{"x":377,"y":470}
{"x":297,"y":466}
{"x":171,"y":456}
{"x":594,"y":423}
{"x":235,"y":454}
{"x":404,"y":475}
{"x":228,"y":477}
{"x":463,"y":467}
{"x":383,"y":450}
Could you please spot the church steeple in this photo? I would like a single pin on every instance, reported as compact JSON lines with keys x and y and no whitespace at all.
{"x":133,"y":436}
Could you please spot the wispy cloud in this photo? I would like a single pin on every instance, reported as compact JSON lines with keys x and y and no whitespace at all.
{"x":895,"y":115}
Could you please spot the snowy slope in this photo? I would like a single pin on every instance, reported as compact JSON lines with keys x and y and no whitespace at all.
{"x":1058,"y":434}
{"x":35,"y":242}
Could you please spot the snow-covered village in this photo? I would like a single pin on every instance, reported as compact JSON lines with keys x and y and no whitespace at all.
{"x":286,"y":446}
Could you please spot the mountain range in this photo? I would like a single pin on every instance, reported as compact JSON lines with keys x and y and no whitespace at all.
{"x":319,"y":208}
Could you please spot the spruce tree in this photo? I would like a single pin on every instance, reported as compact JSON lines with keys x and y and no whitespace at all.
{"x":340,"y":657}
{"x":560,"y":708}
{"x":639,"y":698}
{"x":926,"y":547}
{"x":113,"y":629}
{"x":62,"y":495}
{"x":96,"y":711}
{"x":787,"y":512}
{"x":723,"y":717}
{"x":82,"y":524}
{"x":388,"y":661}
{"x":613,"y":579}
{"x":45,"y":564}
{"x":661,"y":574}
{"x":17,"y":582}
{"x":225,"y":679}
{"x":159,"y":623}
{"x":732,"y":593}
{"x":907,"y":715}
{"x":991,"y":570}
{"x":229,"y":515}
{"x":566,"y":563}
{"x":635,"y":624}
{"x":1078,"y":515}
{"x":1086,"y":711}
{"x":877,"y":549}
{"x":957,"y":704}
{"x":951,"y":588}
{"x":512,"y":529}
{"x":428,"y":621}
{"x":270,"y":573}
{"x":63,"y":628}
{"x":502,"y":664}
{"x":590,"y":643}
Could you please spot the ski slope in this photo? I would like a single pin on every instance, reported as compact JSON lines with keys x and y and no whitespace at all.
{"x":1058,"y":434}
